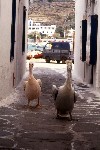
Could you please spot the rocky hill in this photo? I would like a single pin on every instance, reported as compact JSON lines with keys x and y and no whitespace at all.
{"x":59,"y":12}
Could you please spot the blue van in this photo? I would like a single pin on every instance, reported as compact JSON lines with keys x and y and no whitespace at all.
{"x":59,"y":51}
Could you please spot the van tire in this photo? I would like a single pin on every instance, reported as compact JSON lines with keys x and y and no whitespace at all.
{"x":58,"y":61}
{"x":63,"y":61}
{"x":47,"y":60}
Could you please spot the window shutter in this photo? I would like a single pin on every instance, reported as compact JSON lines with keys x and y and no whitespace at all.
{"x":23,"y":35}
{"x":13,"y":29}
{"x":84,"y":39}
{"x":93,"y":39}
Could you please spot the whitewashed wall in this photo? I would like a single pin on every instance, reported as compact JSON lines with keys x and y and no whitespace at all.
{"x":17,"y":66}
{"x":82,"y":69}
{"x":19,"y":57}
{"x":79,"y":65}
{"x":98,"y":48}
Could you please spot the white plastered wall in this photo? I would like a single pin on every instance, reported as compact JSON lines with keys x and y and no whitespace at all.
{"x":82,"y":69}
{"x":79,"y":65}
{"x":17,"y":66}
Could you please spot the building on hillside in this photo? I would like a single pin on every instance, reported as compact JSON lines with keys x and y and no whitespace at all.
{"x":70,"y":32}
{"x":70,"y":35}
{"x":37,"y":27}
{"x":13,"y":43}
{"x":87,"y":41}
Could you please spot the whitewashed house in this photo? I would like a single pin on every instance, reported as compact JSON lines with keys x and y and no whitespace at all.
{"x":37,"y":27}
{"x":87,"y":41}
{"x":13,"y":43}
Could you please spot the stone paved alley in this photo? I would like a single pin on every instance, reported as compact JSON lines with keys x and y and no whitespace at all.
{"x":23,"y":128}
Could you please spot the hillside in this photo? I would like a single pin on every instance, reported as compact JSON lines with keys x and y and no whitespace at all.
{"x":57,"y":12}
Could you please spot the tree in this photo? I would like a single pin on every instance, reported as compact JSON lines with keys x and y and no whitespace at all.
{"x":34,"y":35}
{"x":30,"y":36}
{"x":60,"y":30}
{"x":56,"y":35}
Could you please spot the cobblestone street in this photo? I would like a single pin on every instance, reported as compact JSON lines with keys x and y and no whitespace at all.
{"x":23,"y":128}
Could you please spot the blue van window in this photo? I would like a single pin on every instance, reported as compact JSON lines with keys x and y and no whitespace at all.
{"x":56,"y":45}
{"x":61,"y":45}
{"x":65,"y":45}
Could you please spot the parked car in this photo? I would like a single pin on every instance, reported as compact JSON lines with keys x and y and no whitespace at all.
{"x":39,"y":55}
{"x":39,"y":48}
{"x":31,"y":47}
{"x":34,"y":51}
{"x":39,"y":52}
{"x":30,"y":54}
{"x":59,"y":51}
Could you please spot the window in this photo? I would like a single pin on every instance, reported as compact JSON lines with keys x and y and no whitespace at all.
{"x":84,"y":40}
{"x":64,"y":46}
{"x":93,"y":39}
{"x":48,"y":46}
{"x":23,"y":35}
{"x":56,"y":46}
{"x":13,"y":30}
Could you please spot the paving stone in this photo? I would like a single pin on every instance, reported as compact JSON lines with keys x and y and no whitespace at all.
{"x":26,"y":128}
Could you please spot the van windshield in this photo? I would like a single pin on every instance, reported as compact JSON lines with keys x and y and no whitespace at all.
{"x":48,"y":46}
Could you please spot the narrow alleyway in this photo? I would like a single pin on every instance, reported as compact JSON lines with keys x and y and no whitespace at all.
{"x":23,"y":128}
